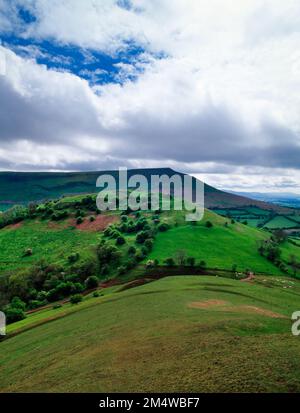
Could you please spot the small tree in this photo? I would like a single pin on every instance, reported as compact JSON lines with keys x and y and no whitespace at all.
{"x":120,"y":240}
{"x":202,"y":265}
{"x":190,"y":261}
{"x":169,"y":262}
{"x":91,"y":282}
{"x":76,"y":298}
{"x":180,"y":257}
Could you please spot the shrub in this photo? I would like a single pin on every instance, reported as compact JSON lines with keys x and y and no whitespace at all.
{"x":148,"y":244}
{"x":79,"y":221}
{"x":121,"y":270}
{"x":131,"y":250}
{"x":190,"y":261}
{"x":73,"y":257}
{"x":56,"y":306}
{"x":16,"y":302}
{"x":163,"y":227}
{"x":120,"y":240}
{"x":92,"y":219}
{"x":202,"y":265}
{"x":33,"y":304}
{"x":169,"y":262}
{"x":27,"y":252}
{"x":208,"y":224}
{"x":96,"y":294}
{"x":14,"y":314}
{"x":91,"y":282}
{"x":139,"y":256}
{"x":75,"y":299}
{"x":79,"y":213}
{"x":107,"y":254}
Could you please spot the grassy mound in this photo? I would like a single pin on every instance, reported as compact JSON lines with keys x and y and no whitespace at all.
{"x":176,"y":334}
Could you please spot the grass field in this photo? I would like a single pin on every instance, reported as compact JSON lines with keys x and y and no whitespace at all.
{"x":176,"y":334}
{"x":281,"y":222}
{"x":219,"y":246}
{"x":54,"y":243}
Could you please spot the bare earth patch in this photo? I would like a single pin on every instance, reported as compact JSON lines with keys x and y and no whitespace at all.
{"x":14,"y":226}
{"x":225,"y":306}
{"x":256,"y":310}
{"x":207,"y":304}
{"x":100,"y":223}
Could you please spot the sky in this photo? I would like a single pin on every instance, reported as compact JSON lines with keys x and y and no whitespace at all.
{"x":209,"y":88}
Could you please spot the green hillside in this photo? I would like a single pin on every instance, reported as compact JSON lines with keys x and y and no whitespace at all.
{"x":221,"y":335}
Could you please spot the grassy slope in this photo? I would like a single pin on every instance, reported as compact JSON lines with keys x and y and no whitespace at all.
{"x":150,"y":339}
{"x":53,"y":243}
{"x":219,"y":246}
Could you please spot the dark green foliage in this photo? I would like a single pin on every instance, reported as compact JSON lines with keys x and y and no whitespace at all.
{"x":91,"y":282}
{"x":163,"y":227}
{"x":16,"y":302}
{"x":202,"y":265}
{"x":131,"y":250}
{"x":120,"y":240}
{"x":14,"y":314}
{"x":92,"y":219}
{"x":76,"y":298}
{"x":209,"y":224}
{"x":170,"y":262}
{"x":73,"y":257}
{"x":28,"y":252}
{"x":190,"y":261}
{"x":107,"y":254}
{"x":79,"y":221}
{"x":56,"y":306}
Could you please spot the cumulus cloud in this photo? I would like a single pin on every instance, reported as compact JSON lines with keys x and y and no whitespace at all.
{"x":221,"y":97}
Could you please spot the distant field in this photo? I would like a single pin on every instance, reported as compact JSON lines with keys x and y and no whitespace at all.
{"x":221,"y":335}
{"x":280,"y":222}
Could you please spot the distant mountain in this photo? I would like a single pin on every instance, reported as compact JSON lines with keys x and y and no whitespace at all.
{"x":23,"y":187}
{"x":284,"y":199}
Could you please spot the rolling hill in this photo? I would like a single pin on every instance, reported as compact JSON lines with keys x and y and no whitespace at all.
{"x":23,"y":187}
{"x":180,"y":334}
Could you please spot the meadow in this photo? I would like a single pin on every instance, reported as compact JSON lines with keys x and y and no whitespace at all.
{"x":186,"y":333}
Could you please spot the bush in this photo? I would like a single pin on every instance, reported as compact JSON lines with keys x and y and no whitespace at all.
{"x":120,"y":240}
{"x":169,"y":262}
{"x":190,"y":261}
{"x":121,"y":270}
{"x":79,"y":221}
{"x":131,"y":250}
{"x":208,"y":224}
{"x":107,"y":254}
{"x":202,"y":265}
{"x":163,"y":227}
{"x":14,"y":314}
{"x":148,"y":244}
{"x":56,"y":306}
{"x":33,"y":304}
{"x":16,"y":302}
{"x":73,"y":257}
{"x":75,"y":299}
{"x":96,"y":294}
{"x":91,"y":282}
{"x":92,"y":219}
{"x":27,"y":252}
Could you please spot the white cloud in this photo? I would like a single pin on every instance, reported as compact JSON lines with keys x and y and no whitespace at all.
{"x":225,"y":95}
